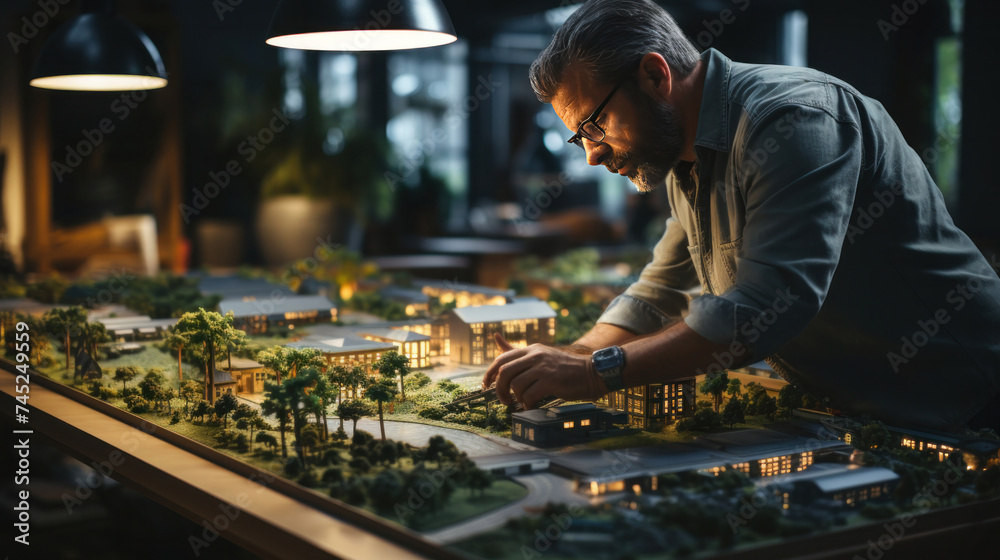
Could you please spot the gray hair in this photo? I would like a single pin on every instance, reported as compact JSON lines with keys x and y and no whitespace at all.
{"x":609,"y":38}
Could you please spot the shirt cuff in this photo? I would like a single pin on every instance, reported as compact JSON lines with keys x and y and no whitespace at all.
{"x":724,"y":322}
{"x":634,"y":315}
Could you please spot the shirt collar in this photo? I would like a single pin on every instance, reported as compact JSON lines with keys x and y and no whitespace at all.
{"x":713,"y":117}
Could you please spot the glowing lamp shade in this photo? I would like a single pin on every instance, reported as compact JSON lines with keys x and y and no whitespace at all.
{"x":99,"y":51}
{"x":360,"y":25}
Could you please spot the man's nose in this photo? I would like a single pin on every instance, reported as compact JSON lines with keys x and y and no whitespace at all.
{"x":595,"y":151}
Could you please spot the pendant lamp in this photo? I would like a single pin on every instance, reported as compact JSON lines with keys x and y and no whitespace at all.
{"x":360,"y":25}
{"x":98,"y":50}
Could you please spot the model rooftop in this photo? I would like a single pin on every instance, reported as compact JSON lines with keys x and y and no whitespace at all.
{"x":276,"y":306}
{"x":509,"y":312}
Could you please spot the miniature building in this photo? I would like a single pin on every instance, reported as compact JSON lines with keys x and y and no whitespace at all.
{"x":85,"y":366}
{"x":977,"y":453}
{"x":562,"y":425}
{"x":347,"y":351}
{"x":651,"y":407}
{"x":464,"y":295}
{"x":414,"y":301}
{"x":224,"y":382}
{"x":256,"y":316}
{"x":139,"y":327}
{"x":413,"y":345}
{"x":522,"y":324}
{"x":849,"y":484}
{"x":249,"y":375}
{"x":764,"y":453}
{"x":758,"y":453}
{"x":242,"y":288}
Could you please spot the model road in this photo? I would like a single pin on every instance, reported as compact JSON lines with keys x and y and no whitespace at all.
{"x":474,"y":445}
{"x":543,"y":488}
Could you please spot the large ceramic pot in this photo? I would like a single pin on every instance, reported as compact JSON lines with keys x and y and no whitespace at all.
{"x":290,"y":228}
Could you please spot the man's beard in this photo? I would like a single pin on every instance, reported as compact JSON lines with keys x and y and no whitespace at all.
{"x":658,"y":146}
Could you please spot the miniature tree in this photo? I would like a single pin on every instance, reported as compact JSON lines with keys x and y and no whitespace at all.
{"x":381,"y":391}
{"x":126,"y":374}
{"x":287,"y":361}
{"x":734,"y":388}
{"x":227,"y":403}
{"x":277,"y":403}
{"x":39,"y":344}
{"x":733,"y":413}
{"x":175,"y":340}
{"x":349,"y":379}
{"x":790,"y":398}
{"x":715,"y":385}
{"x":767,"y":406}
{"x":874,"y":436}
{"x":189,"y":390}
{"x":301,"y":401}
{"x":353,"y":410}
{"x":91,"y":335}
{"x":251,"y":423}
{"x":201,"y":408}
{"x":307,"y":439}
{"x":322,"y":394}
{"x":214,"y":331}
{"x":478,"y":479}
{"x":153,"y":380}
{"x":65,"y":322}
{"x":392,"y":364}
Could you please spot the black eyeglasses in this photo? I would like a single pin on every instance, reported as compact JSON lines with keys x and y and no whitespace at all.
{"x":589,"y":128}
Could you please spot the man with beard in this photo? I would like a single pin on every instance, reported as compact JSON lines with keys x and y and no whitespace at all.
{"x":803,"y":231}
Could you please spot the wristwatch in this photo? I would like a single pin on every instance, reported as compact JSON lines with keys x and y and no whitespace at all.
{"x":610,"y":364}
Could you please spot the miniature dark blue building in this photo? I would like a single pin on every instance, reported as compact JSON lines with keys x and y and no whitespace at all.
{"x":563,"y":425}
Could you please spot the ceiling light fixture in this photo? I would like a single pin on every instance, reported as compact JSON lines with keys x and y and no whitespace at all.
{"x":360,"y":25}
{"x":98,"y":50}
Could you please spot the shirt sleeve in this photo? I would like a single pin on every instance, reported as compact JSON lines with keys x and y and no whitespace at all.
{"x":797,"y":172}
{"x":663,"y":291}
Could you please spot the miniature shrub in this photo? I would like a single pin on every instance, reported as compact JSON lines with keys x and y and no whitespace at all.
{"x":107,"y":393}
{"x":340,"y":436}
{"x":333,"y":475}
{"x":293,"y":467}
{"x":878,"y":511}
{"x":332,"y":457}
{"x":448,"y":386}
{"x":361,"y":438}
{"x":704,"y":419}
{"x":94,"y":389}
{"x":360,"y":465}
{"x":433,"y":412}
{"x":129,"y":392}
{"x":242,"y":443}
{"x":417,"y":380}
{"x":226,"y":437}
{"x":308,"y":478}
{"x":360,"y":451}
{"x":386,"y":489}
{"x":352,"y":491}
{"x":136,"y":404}
{"x":175,"y":418}
{"x":267,"y":439}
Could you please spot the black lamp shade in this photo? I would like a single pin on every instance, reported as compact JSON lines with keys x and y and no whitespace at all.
{"x":98,"y":51}
{"x":360,"y":25}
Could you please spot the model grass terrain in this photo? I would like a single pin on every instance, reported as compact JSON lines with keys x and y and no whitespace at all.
{"x":296,"y":424}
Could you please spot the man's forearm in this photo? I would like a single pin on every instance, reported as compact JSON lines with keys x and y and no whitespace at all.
{"x":601,"y":336}
{"x":673,"y":353}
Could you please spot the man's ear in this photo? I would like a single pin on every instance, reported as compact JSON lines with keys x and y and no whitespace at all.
{"x":655,"y":76}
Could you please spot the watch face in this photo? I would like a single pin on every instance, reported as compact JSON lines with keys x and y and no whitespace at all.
{"x":608,"y":358}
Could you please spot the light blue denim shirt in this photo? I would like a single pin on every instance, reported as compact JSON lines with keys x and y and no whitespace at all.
{"x":810,"y":235}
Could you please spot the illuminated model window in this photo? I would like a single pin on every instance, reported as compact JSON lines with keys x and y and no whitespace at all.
{"x":567,"y":424}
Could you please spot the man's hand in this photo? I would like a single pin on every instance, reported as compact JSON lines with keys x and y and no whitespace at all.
{"x":538,"y":371}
